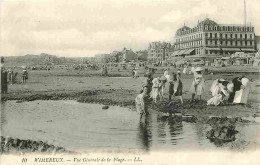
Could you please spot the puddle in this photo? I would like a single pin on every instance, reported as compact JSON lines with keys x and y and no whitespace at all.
{"x":78,"y":126}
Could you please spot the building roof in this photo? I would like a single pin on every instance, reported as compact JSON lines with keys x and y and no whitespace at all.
{"x":159,"y":45}
{"x":184,"y":28}
{"x":248,"y":25}
{"x":207,"y":22}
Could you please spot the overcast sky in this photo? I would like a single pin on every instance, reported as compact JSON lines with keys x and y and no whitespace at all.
{"x":77,"y":28}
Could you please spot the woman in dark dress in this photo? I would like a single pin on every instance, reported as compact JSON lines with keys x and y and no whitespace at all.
{"x":178,"y":86}
{"x":175,"y":87}
{"x":171,"y":87}
{"x":4,"y":82}
{"x":237,"y":86}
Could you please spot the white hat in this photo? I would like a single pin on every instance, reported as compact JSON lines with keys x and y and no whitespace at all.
{"x":198,"y":69}
{"x":245,"y":81}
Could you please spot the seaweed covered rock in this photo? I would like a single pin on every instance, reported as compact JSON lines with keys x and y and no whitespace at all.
{"x":17,"y":145}
{"x":105,"y":107}
{"x":223,"y":130}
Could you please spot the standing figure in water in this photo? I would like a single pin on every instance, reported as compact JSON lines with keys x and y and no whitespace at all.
{"x":141,"y":102}
{"x":148,"y":84}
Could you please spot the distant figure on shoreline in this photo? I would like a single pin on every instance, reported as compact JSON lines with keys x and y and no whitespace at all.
{"x":24,"y":75}
{"x":4,"y":81}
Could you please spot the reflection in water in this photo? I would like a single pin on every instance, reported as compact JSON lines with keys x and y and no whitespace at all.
{"x":76,"y":125}
{"x":175,"y":129}
{"x":161,"y":128}
{"x":145,"y":132}
{"x":199,"y":130}
{"x":2,"y":115}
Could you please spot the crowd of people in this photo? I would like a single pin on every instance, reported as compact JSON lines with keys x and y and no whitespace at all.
{"x":222,"y":91}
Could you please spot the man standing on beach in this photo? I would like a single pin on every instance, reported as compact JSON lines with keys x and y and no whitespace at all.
{"x":24,"y":75}
{"x":4,"y":81}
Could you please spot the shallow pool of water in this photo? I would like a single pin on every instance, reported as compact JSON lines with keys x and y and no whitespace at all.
{"x":78,"y":126}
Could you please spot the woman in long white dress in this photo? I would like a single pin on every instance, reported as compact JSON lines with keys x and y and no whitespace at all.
{"x":198,"y":84}
{"x":140,"y":102}
{"x":241,"y":96}
{"x":155,"y":90}
{"x":163,"y":81}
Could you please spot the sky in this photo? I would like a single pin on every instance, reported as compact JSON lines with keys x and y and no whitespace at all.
{"x":83,"y":28}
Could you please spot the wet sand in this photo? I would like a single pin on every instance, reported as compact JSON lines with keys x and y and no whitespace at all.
{"x":120,"y":89}
{"x":90,"y":87}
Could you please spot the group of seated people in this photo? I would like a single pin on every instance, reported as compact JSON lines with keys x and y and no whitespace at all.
{"x":223,"y":91}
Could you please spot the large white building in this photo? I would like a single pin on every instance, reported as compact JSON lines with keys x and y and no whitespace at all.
{"x":209,"y":40}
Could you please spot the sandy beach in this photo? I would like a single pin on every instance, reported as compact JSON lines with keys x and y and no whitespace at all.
{"x":120,"y":89}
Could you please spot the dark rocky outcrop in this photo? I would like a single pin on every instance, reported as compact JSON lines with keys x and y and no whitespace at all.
{"x":223,"y":129}
{"x":17,"y":145}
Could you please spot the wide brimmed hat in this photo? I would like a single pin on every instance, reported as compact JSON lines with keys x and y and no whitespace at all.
{"x":163,"y":78}
{"x":198,"y":69}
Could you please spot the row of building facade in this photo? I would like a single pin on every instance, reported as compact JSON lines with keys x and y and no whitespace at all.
{"x":206,"y":40}
{"x":122,"y":56}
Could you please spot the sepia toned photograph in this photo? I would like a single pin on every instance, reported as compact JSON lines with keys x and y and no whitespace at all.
{"x":129,"y":77}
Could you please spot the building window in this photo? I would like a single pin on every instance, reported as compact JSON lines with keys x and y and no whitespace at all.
{"x":235,"y":35}
{"x":210,"y":35}
{"x":241,"y":36}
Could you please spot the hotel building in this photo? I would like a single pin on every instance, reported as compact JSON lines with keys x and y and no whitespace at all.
{"x":159,"y":51}
{"x":210,"y":40}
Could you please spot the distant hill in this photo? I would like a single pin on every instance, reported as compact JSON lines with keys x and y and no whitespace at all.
{"x":41,"y":59}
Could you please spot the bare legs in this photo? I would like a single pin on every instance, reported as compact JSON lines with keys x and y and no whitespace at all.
{"x":192,"y":97}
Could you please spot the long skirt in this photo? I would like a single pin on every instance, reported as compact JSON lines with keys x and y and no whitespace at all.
{"x":197,"y":89}
{"x":241,"y":96}
{"x":216,"y":100}
{"x":155,"y":93}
